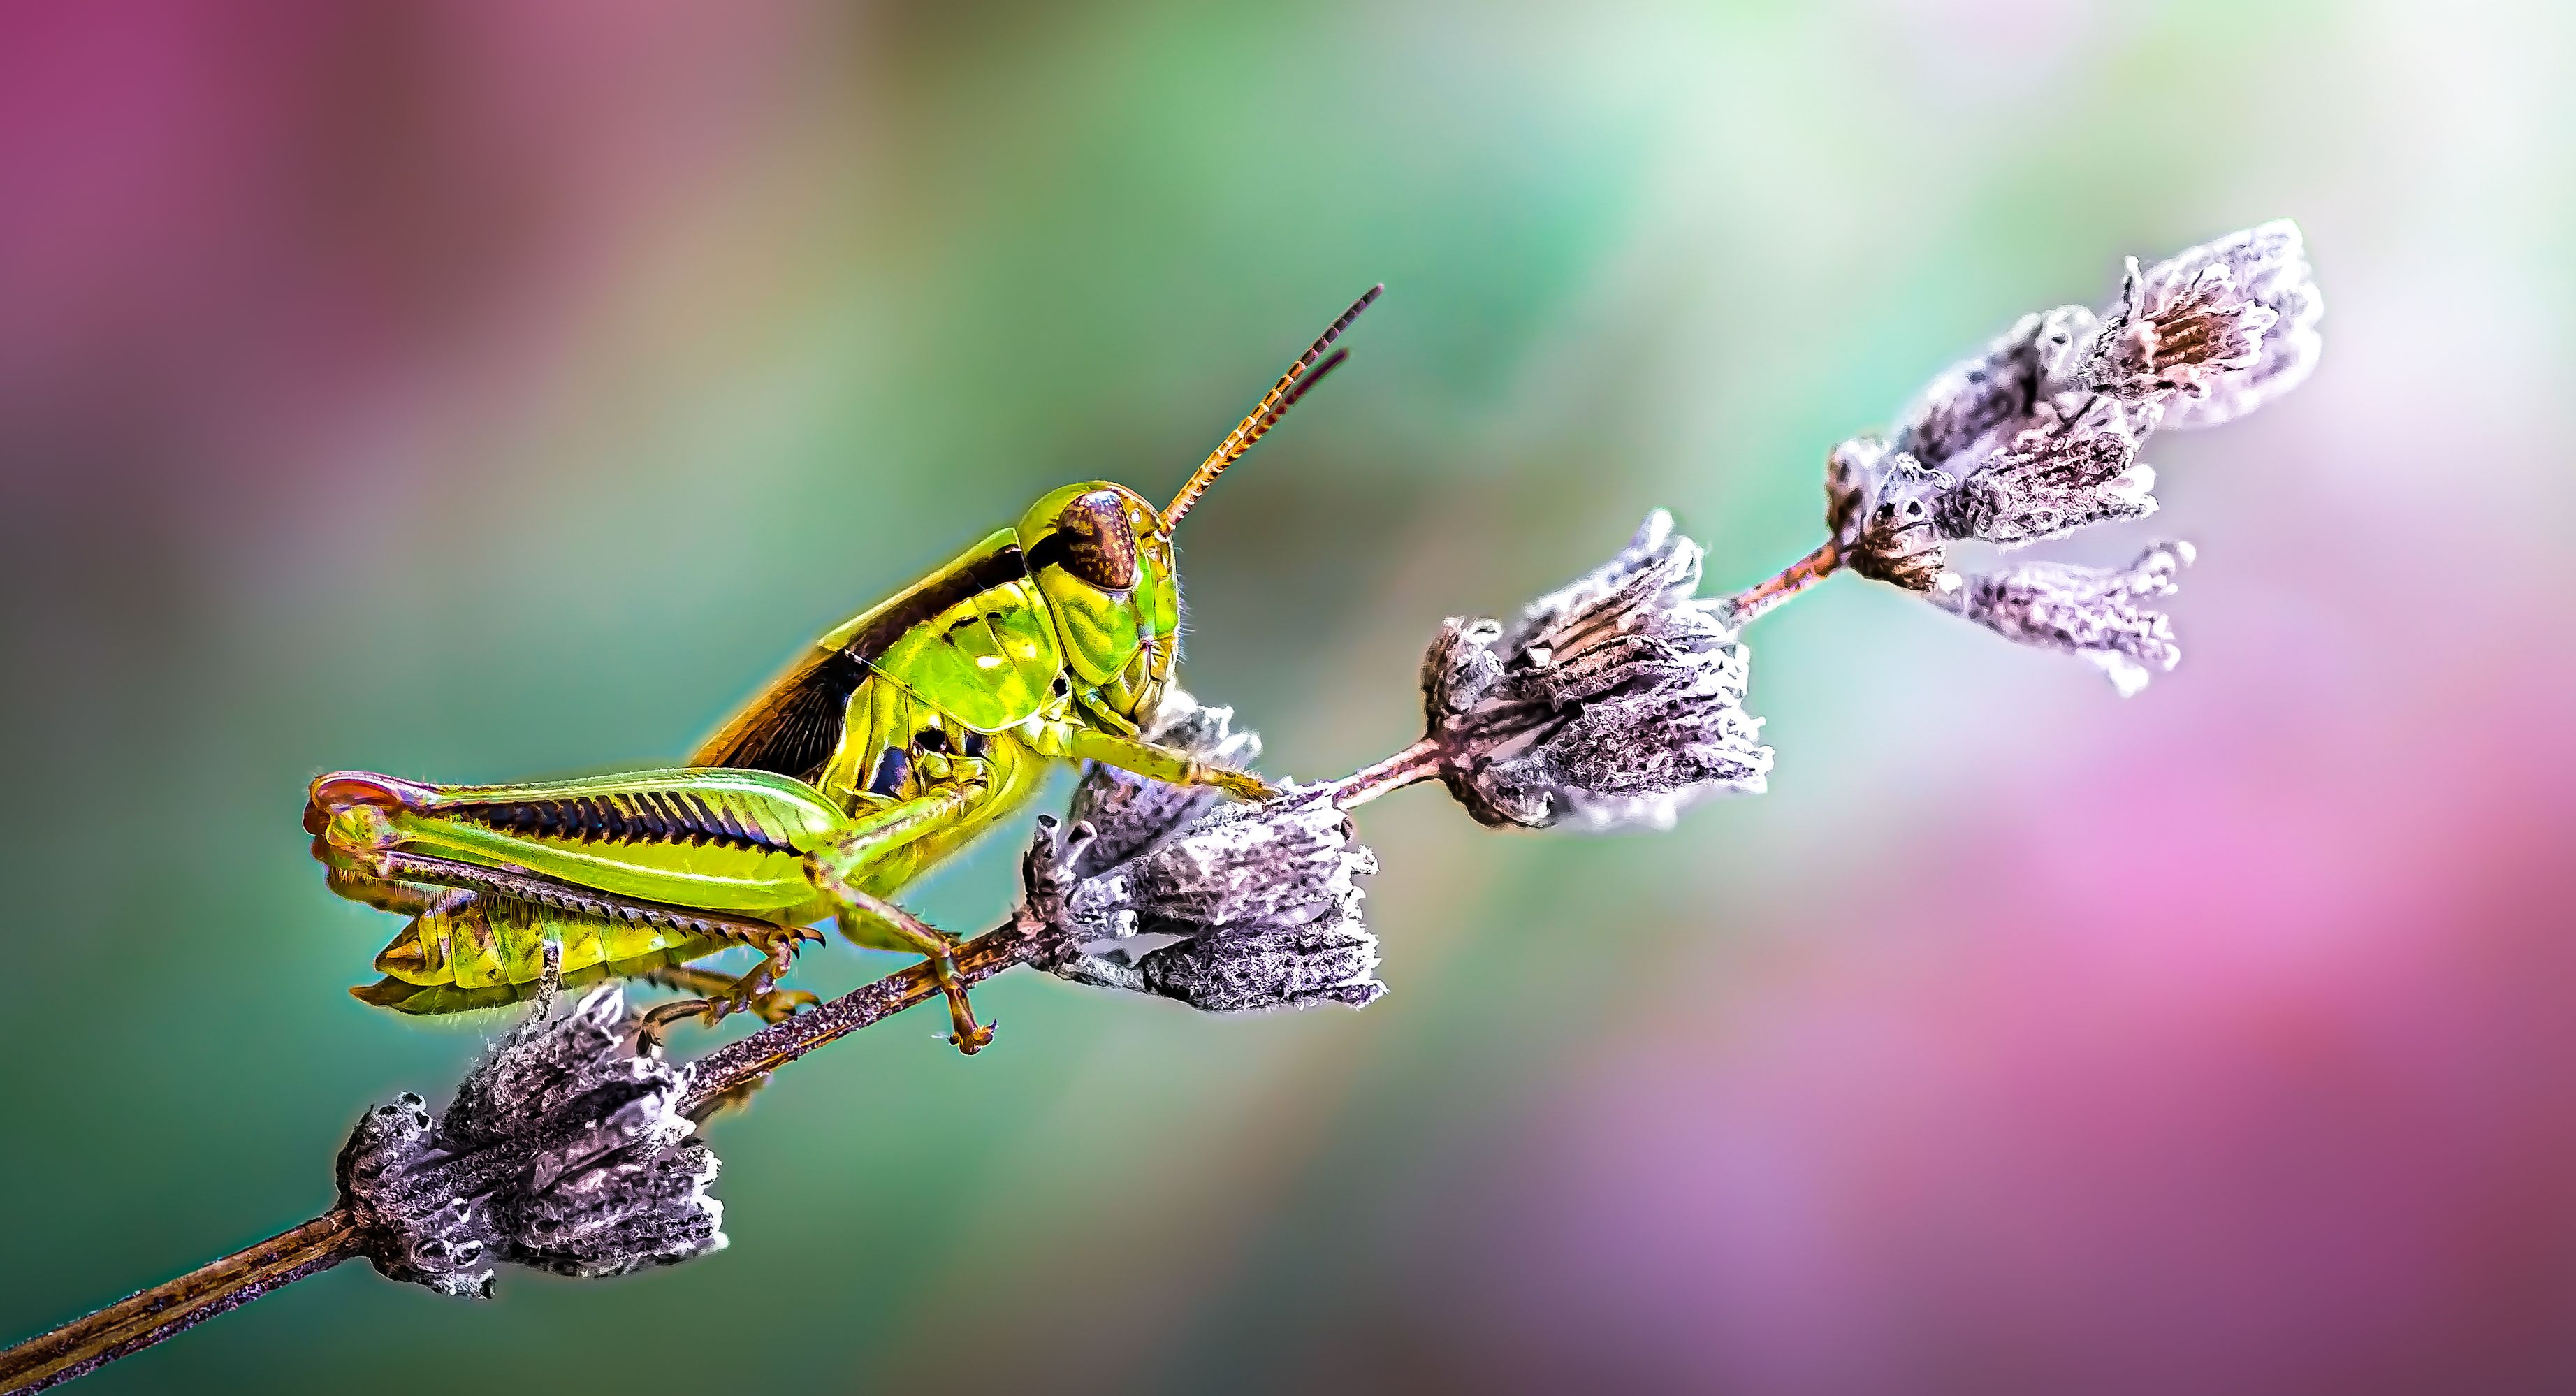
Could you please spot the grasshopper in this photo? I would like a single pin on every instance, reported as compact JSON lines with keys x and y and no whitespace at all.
{"x":881,"y":750}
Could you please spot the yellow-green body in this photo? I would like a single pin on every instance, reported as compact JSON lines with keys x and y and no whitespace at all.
{"x":960,"y":691}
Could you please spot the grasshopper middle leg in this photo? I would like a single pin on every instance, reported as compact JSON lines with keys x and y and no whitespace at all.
{"x":851,"y":868}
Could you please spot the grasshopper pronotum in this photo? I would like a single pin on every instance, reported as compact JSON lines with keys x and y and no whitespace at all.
{"x":884,"y":748}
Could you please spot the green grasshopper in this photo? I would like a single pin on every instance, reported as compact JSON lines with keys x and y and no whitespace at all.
{"x":883,"y":749}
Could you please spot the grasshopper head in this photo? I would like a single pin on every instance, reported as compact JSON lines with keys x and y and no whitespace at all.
{"x":1102,"y":557}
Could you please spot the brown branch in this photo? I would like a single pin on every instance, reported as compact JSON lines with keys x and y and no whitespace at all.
{"x":735,"y":1066}
{"x":133,"y":1324}
{"x":1418,"y":762}
{"x":317,"y":1245}
{"x":1795,"y":578}
{"x":167,"y":1310}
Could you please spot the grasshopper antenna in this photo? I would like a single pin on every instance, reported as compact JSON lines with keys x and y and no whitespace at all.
{"x":1265,"y":414}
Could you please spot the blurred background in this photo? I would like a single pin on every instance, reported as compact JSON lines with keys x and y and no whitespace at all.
{"x":483,"y":390}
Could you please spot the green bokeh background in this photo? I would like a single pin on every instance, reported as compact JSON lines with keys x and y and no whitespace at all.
{"x":481,"y":392}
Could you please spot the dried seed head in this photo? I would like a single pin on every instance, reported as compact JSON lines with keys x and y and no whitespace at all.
{"x":2087,"y":611}
{"x":1881,"y":507}
{"x":1222,"y":907}
{"x":1612,"y":702}
{"x":2039,"y":437}
{"x":2051,"y":481}
{"x":2212,"y":332}
{"x":1129,"y":813}
{"x":1998,"y":395}
{"x":2176,"y":336}
{"x":563,"y":1151}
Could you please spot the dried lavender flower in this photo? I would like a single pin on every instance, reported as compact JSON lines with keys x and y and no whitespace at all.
{"x":1880,"y":510}
{"x":1128,"y":813}
{"x":563,"y":1151}
{"x":1613,"y":702}
{"x":2049,"y":482}
{"x":2039,"y":436}
{"x":1998,"y":395}
{"x":2087,"y":611}
{"x":2175,"y":335}
{"x":2214,"y":331}
{"x":1222,"y":907}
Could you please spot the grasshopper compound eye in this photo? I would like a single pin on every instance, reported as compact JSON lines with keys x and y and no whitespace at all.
{"x":1094,"y":541}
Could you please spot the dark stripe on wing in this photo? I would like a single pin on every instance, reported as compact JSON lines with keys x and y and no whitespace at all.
{"x":799,"y":725}
{"x":1006,"y":565}
{"x":802,"y":728}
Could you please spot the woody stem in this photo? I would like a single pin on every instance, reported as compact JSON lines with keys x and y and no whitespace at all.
{"x":166,"y":1310}
{"x":1420,"y":761}
{"x":1795,"y":578}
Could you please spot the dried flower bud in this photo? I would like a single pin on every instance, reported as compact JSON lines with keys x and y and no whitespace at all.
{"x":2087,"y":611}
{"x":1128,"y":813}
{"x":2051,"y":481}
{"x":1615,"y":701}
{"x":1998,"y":395}
{"x":2175,"y":336}
{"x":2213,"y":332}
{"x":2039,"y":436}
{"x":563,"y":1151}
{"x":1222,"y":907}
{"x":1880,"y":508}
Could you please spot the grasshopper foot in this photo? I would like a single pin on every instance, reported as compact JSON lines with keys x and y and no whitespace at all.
{"x":754,"y":992}
{"x":770,"y":1005}
{"x":703,"y":985}
{"x":657,"y":1022}
{"x":715,"y":997}
{"x":1242,"y":785}
{"x":965,"y":1034}
{"x":862,"y":910}
{"x":779,"y":1005}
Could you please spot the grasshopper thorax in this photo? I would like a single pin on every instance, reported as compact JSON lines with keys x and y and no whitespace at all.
{"x":1102,"y":558}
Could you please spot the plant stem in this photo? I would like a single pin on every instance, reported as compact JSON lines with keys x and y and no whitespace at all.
{"x":1420,"y":761}
{"x":1795,"y":578}
{"x":133,"y":1324}
{"x":1018,"y":941}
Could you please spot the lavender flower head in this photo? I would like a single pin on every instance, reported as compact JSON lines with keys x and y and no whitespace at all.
{"x":2213,"y":332}
{"x":2090,"y":612}
{"x":1614,"y":702}
{"x":1225,"y":907}
{"x":563,"y":1151}
{"x":2040,"y":435}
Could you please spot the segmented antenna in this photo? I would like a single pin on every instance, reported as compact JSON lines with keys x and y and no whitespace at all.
{"x":1265,"y":414}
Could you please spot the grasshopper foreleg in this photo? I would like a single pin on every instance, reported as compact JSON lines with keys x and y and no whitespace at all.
{"x":1144,"y":758}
